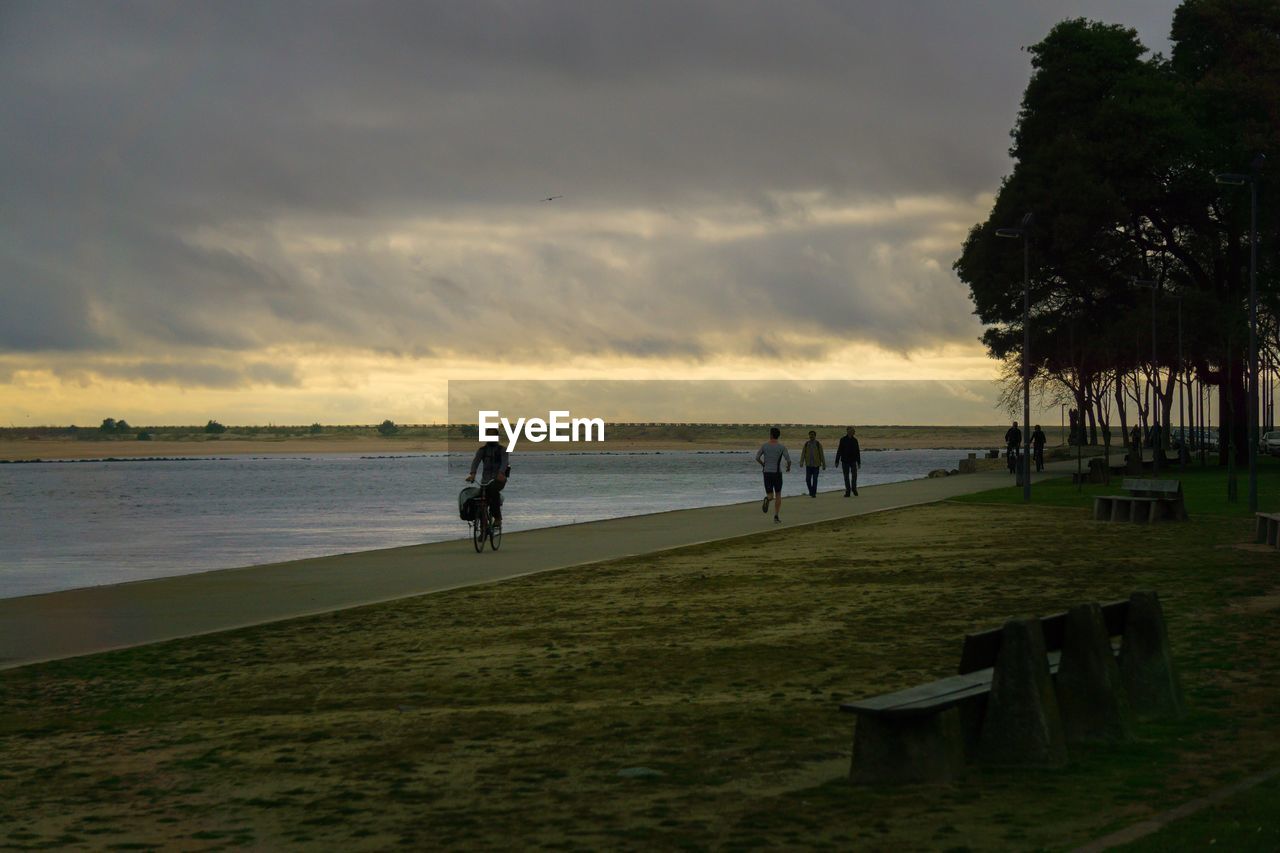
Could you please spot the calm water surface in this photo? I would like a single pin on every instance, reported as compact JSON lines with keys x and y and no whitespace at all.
{"x":67,"y":525}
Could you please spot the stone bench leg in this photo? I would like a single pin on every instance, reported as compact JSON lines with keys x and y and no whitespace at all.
{"x":1273,"y":532}
{"x":1023,"y":725}
{"x":1102,"y":509}
{"x":1146,"y":663}
{"x":1091,"y":695}
{"x":904,"y":750}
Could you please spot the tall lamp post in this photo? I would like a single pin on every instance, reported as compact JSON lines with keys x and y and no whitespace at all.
{"x":1155,"y":384}
{"x":1020,"y":233}
{"x":1235,"y":179}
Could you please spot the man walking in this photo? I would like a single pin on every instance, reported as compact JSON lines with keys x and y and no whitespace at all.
{"x":1013,"y":441}
{"x":1037,"y":447}
{"x":812,"y":458}
{"x":849,"y":460}
{"x":770,"y":458}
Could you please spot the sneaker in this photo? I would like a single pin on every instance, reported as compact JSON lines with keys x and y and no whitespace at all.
{"x":777,"y":520}
{"x":764,"y":507}
{"x":846,"y":494}
{"x":855,"y":493}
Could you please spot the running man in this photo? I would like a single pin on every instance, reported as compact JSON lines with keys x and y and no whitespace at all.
{"x":770,"y":458}
{"x":811,"y":457}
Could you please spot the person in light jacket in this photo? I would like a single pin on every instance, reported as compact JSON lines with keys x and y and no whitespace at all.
{"x":813,"y":460}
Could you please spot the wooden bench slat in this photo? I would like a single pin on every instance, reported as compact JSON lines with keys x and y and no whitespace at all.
{"x":934,"y":695}
{"x":1169,"y":487}
{"x":938,"y":695}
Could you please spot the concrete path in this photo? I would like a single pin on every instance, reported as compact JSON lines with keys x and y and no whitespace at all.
{"x":76,"y":622}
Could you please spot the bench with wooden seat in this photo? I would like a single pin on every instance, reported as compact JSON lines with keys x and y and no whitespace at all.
{"x":927,"y":732}
{"x":1148,"y":501}
{"x":1268,"y":529}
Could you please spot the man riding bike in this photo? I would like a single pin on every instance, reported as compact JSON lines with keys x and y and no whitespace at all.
{"x":493,"y":475}
{"x":1013,"y":445}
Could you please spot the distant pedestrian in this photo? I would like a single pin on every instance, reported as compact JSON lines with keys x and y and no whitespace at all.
{"x":849,"y":460}
{"x":771,"y":455}
{"x":813,"y":460}
{"x":1012,"y":441}
{"x":1037,"y":447}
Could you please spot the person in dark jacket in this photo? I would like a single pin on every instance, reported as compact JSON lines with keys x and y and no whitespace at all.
{"x":849,"y":460}
{"x":1038,"y":439}
{"x":496,"y":468}
{"x":1012,"y":443}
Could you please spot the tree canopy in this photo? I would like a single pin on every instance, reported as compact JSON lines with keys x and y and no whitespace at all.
{"x":1115,"y":152}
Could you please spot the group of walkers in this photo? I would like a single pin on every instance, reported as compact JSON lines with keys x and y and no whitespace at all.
{"x":773,"y":454}
{"x":1013,"y":447}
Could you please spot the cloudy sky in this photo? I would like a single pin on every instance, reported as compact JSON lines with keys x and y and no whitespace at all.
{"x":296,"y":212}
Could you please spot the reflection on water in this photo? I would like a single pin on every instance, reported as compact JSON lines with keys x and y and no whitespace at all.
{"x":65,"y":525}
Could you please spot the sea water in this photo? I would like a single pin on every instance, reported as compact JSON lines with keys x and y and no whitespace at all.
{"x":75,"y":524}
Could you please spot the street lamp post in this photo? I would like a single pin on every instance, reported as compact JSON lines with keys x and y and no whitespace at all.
{"x":1239,"y":180}
{"x":1182,"y":414}
{"x":1021,"y":233}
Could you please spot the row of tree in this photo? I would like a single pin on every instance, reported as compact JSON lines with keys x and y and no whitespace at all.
{"x":1115,"y":155}
{"x":113,"y":426}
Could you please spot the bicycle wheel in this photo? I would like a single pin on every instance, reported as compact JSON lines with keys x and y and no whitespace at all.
{"x":478,"y":531}
{"x":495,"y":536}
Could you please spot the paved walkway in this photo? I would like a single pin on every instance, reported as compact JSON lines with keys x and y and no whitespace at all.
{"x":76,"y":622}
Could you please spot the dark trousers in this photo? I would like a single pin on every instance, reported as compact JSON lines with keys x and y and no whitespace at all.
{"x":811,"y":478}
{"x":495,"y":502}
{"x":850,"y":477}
{"x":1038,"y":451}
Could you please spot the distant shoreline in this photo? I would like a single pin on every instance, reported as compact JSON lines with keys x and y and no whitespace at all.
{"x":870,"y":437}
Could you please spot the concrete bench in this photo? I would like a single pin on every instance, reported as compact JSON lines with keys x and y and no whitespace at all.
{"x":1268,"y":529}
{"x":928,"y":732}
{"x":1148,"y":502}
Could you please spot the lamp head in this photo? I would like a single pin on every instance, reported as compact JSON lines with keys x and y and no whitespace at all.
{"x":1012,"y":233}
{"x":1232,"y":179}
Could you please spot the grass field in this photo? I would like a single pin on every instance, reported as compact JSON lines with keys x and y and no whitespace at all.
{"x":1204,"y":489}
{"x":515,"y":715}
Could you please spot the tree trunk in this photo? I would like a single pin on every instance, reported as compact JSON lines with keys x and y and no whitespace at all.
{"x":1233,"y":413}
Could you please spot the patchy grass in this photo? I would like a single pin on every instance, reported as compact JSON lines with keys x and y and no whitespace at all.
{"x":487,"y":714}
{"x":1203,"y":488}
{"x":1245,"y":822}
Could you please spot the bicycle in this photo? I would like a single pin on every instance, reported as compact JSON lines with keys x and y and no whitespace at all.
{"x":483,"y":526}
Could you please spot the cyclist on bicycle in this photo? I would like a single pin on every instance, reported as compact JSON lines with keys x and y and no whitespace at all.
{"x":493,"y":476}
{"x":1013,"y":445}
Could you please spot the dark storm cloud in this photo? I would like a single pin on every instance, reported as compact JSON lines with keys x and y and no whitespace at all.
{"x":229,"y":175}
{"x":191,"y":374}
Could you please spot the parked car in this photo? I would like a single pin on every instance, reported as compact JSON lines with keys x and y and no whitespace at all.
{"x":1270,"y":443}
{"x":1193,"y":435}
